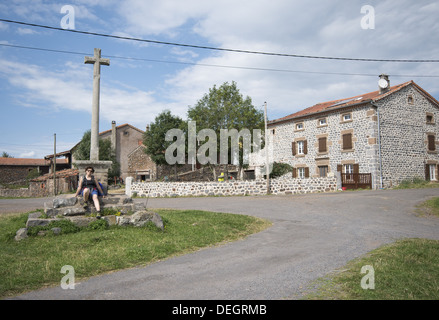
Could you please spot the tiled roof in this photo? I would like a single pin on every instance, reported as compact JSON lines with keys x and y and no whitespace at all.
{"x":360,"y":99}
{"x":59,"y":174}
{"x":28,"y":162}
{"x":120,"y":127}
{"x":23,"y":162}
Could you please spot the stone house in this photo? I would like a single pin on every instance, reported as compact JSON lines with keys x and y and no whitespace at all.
{"x":16,"y":170}
{"x":125,"y":139}
{"x":66,"y":181}
{"x":383,"y":137}
{"x":140,"y":165}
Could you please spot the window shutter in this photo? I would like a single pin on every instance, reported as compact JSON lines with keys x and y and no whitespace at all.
{"x":339,"y":168}
{"x":294,"y":173}
{"x":431,"y":143}
{"x":293,"y":147}
{"x":306,"y":172}
{"x":356,"y":168}
{"x":427,"y":172}
{"x":347,"y":141}
{"x":305,"y":147}
{"x":322,"y":145}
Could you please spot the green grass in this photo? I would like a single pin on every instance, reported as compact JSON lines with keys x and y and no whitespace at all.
{"x":36,"y":261}
{"x":416,"y":183}
{"x":429,"y":207}
{"x":405,"y":270}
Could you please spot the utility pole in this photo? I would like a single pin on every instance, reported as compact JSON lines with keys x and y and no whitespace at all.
{"x":267,"y":174}
{"x":54,"y":164}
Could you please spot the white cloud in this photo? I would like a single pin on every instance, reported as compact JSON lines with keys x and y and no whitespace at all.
{"x":402,"y":30}
{"x":26,"y":31}
{"x":30,"y":154}
{"x":71,"y":88}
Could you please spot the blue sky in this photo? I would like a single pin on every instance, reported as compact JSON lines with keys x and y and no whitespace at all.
{"x":42,"y":93}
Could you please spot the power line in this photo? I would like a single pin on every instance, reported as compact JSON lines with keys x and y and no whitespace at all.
{"x":217,"y":48}
{"x":215,"y":65}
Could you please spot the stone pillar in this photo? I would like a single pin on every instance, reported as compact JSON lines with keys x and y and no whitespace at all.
{"x":97,"y":61}
{"x":101,"y":169}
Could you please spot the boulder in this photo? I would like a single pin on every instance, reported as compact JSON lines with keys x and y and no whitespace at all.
{"x":140,"y":218}
{"x":21,"y":234}
{"x":34,"y":222}
{"x":56,"y":230}
{"x":64,"y":202}
{"x":81,"y":221}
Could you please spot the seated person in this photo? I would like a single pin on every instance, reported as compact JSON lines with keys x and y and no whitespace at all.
{"x":90,"y":188}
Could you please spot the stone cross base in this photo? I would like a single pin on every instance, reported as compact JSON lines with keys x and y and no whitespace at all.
{"x":101,"y":169}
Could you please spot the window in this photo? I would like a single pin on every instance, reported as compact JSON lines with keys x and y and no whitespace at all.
{"x":322,"y":122}
{"x":299,"y":126}
{"x":301,"y":173}
{"x":410,"y":99}
{"x":323,"y":171}
{"x":429,"y":118}
{"x":348,"y":168}
{"x":301,"y":147}
{"x":346,"y":117}
{"x":347,"y":141}
{"x":322,"y":145}
{"x":431,"y":142}
{"x":432,"y":171}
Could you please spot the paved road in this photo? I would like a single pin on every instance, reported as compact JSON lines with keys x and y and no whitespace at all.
{"x":312,"y":235}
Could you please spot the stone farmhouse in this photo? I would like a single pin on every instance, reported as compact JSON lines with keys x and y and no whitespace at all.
{"x":127,"y":143}
{"x":375,"y":140}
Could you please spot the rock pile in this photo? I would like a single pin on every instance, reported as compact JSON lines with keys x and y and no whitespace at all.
{"x":71,"y":208}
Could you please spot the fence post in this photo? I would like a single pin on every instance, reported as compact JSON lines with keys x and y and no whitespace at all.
{"x":128,"y":183}
{"x":339,"y":181}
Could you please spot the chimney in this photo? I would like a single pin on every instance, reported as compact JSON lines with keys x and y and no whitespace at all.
{"x":113,"y":136}
{"x":384,"y":83}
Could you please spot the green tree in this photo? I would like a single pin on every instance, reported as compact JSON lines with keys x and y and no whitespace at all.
{"x":226,"y":108}
{"x":154,"y":138}
{"x":6,"y":155}
{"x":105,"y":153}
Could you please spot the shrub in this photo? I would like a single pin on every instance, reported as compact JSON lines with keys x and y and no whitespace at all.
{"x":279,"y":169}
{"x":100,"y":224}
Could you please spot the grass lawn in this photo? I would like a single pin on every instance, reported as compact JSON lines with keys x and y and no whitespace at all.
{"x":405,"y":270}
{"x":36,"y":261}
{"x":429,"y":207}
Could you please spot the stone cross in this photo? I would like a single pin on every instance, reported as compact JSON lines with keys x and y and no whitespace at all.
{"x":97,"y":61}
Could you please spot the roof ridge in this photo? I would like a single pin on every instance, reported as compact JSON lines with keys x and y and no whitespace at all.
{"x":324,"y":106}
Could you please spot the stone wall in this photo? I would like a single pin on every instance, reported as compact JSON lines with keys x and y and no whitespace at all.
{"x":16,"y":193}
{"x":14,"y":174}
{"x":282,"y":185}
{"x":404,"y":130}
{"x":362,"y":126}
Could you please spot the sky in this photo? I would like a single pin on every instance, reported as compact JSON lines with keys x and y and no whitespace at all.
{"x":43,"y":92}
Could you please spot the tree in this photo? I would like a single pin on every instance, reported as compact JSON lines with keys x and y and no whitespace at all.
{"x":105,"y":153}
{"x":6,"y":155}
{"x":226,"y":108}
{"x":154,"y":138}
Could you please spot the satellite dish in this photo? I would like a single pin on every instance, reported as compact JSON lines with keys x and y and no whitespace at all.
{"x":383,"y":84}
